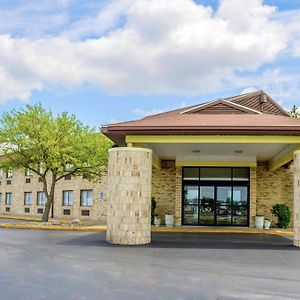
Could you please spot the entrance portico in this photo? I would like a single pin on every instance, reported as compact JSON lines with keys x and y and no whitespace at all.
{"x":221,"y":163}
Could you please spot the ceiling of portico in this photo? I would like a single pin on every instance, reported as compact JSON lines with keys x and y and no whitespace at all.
{"x":218,"y":152}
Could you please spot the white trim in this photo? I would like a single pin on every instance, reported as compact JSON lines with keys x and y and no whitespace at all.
{"x":221,"y":100}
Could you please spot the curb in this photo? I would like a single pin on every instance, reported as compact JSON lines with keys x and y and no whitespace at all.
{"x":205,"y":230}
{"x":54,"y":227}
{"x":160,"y":229}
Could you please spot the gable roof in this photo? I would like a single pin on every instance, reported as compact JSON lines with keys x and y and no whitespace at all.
{"x":252,"y":113}
{"x":260,"y":101}
{"x":221,"y":107}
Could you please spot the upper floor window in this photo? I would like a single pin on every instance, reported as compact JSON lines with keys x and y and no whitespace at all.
{"x":86,"y":197}
{"x":9,"y":173}
{"x":69,"y":167}
{"x":67,"y":198}
{"x":8,"y":198}
{"x":28,"y":172}
{"x":1,"y":173}
{"x":27,"y":198}
{"x":41,"y":198}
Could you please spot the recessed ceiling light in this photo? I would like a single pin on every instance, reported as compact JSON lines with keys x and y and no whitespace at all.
{"x":196,"y":151}
{"x":238,"y":151}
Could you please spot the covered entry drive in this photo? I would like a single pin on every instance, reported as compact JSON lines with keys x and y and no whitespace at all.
{"x":215,"y":196}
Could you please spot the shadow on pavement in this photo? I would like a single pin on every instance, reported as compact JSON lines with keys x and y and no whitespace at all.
{"x":195,"y":241}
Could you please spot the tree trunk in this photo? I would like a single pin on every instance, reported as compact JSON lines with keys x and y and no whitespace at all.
{"x":46,"y":212}
{"x":49,"y":196}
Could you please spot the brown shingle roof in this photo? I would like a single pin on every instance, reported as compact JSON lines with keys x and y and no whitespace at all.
{"x":267,"y":117}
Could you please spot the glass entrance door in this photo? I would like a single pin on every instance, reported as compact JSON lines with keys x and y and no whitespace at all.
{"x":191,"y":205}
{"x":215,"y":196}
{"x":207,"y":205}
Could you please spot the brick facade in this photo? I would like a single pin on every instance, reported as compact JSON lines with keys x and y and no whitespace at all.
{"x":274,"y":187}
{"x":267,"y":188}
{"x":18,"y":186}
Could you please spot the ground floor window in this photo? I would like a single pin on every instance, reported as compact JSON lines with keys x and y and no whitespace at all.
{"x":8,"y":198}
{"x":215,"y":196}
{"x":27,"y":198}
{"x":86,"y":197}
{"x":67,"y":198}
{"x":41,"y":198}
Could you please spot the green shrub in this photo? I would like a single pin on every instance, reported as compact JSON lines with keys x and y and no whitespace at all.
{"x":283,"y":213}
{"x":153,"y":207}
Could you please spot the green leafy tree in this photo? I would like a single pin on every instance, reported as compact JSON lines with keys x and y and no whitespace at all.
{"x":51,"y":147}
{"x":295,"y":112}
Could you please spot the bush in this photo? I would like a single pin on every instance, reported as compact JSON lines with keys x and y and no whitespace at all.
{"x":283,"y":213}
{"x":153,"y":207}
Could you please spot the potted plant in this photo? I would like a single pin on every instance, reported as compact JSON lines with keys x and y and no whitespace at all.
{"x":283,"y":213}
{"x":259,"y":221}
{"x":267,"y":223}
{"x":153,"y":207}
{"x":157,"y":220}
{"x":169,"y":219}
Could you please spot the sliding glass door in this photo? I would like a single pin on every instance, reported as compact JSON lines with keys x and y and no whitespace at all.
{"x":215,"y":196}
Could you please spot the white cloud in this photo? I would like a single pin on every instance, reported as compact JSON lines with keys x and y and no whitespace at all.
{"x":249,"y":90}
{"x":142,"y":112}
{"x":164,"y":47}
{"x":291,"y":21}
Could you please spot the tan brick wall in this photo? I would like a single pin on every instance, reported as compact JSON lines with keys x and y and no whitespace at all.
{"x":267,"y":188}
{"x":18,"y":187}
{"x":163,"y":188}
{"x":274,"y":187}
{"x":253,"y":196}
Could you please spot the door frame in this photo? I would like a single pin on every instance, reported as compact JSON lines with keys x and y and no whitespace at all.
{"x":215,"y":184}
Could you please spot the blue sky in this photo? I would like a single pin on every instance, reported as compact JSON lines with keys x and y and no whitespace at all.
{"x":116,"y":60}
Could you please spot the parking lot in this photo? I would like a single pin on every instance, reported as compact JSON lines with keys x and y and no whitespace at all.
{"x":38,"y":264}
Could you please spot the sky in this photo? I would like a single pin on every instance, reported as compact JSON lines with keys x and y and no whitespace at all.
{"x":108,"y":61}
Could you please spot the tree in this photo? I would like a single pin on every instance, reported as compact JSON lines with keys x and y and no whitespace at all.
{"x":294,"y":112}
{"x":51,"y":147}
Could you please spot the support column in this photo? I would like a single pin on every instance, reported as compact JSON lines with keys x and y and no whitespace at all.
{"x":297,"y":199}
{"x":129,"y":196}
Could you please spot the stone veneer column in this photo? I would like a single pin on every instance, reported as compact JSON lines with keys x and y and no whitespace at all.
{"x":129,"y":196}
{"x":297,"y":199}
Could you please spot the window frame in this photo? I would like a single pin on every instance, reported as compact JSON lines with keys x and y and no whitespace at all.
{"x":25,"y":198}
{"x":86,"y":203}
{"x":68,"y":202}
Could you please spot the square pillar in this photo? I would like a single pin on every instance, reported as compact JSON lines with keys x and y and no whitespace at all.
{"x":297,"y":199}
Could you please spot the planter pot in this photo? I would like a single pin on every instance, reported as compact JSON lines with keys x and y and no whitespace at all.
{"x":169,"y":220}
{"x":267,"y":224}
{"x":157,"y":222}
{"x":259,"y":222}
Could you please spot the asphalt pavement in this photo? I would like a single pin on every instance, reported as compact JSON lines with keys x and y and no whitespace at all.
{"x":37,"y":264}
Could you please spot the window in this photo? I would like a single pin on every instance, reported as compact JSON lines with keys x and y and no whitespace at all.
{"x":9,"y":173}
{"x":67,"y":198}
{"x":27,"y":198}
{"x":28,"y":173}
{"x":8,"y":198}
{"x":41,"y":198}
{"x":0,"y":199}
{"x":1,"y":173}
{"x":86,"y":198}
{"x":69,"y":167}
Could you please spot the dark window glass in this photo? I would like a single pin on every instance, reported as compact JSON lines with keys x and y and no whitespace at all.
{"x":241,"y":174}
{"x":215,"y":173}
{"x":191,"y":173}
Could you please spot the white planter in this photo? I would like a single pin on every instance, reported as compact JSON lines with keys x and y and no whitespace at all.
{"x":267,"y":224}
{"x":259,"y":222}
{"x":169,"y":220}
{"x":157,"y":222}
